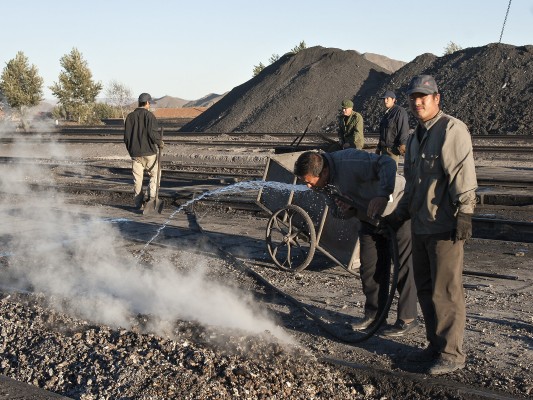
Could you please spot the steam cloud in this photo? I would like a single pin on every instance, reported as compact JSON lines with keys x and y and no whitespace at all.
{"x":79,"y":261}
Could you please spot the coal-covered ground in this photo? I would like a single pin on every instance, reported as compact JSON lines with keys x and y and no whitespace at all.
{"x":488,"y":87}
{"x":89,"y":312}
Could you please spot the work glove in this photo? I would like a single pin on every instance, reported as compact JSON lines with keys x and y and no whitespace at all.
{"x":161,"y":145}
{"x":393,"y":221}
{"x":463,"y":230}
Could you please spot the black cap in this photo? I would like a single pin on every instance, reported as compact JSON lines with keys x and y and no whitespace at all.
{"x":388,"y":93}
{"x":423,"y":84}
{"x":144,"y":97}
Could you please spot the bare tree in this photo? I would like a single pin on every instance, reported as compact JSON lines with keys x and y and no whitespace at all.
{"x":119,"y":96}
{"x":451,"y":48}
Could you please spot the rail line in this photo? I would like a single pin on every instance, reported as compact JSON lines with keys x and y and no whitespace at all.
{"x":170,"y":131}
{"x":252,"y":140}
{"x":174,"y":170}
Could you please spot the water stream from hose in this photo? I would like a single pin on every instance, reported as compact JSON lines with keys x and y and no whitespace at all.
{"x":239,"y":187}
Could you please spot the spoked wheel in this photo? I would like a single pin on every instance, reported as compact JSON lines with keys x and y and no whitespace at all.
{"x":291,"y":238}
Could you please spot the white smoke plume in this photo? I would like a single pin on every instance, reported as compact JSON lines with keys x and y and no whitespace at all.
{"x":79,"y":259}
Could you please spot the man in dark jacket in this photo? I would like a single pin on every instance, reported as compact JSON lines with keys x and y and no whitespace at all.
{"x":142,"y":140}
{"x":374,"y":189}
{"x":393,"y":128}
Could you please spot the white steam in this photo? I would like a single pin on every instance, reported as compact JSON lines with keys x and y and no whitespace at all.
{"x":79,"y":260}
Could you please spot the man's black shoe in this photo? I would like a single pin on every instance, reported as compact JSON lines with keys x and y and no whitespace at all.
{"x":400,"y":328}
{"x":363,"y":324}
{"x":441,"y":366}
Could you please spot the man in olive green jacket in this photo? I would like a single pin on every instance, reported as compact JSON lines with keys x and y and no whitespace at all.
{"x":350,"y":127}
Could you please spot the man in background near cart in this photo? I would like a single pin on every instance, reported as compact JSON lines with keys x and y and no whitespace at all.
{"x":142,"y":140}
{"x":373,"y":187}
{"x":350,"y":125}
{"x":393,"y":128}
{"x":440,"y":196}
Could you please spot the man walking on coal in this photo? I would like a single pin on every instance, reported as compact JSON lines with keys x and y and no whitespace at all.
{"x":440,"y":196}
{"x":393,"y":128}
{"x":350,"y":128}
{"x":142,"y":140}
{"x":372,"y":188}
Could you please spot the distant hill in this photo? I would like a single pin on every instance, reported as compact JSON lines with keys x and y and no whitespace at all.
{"x":170,"y":102}
{"x":385,"y":62}
{"x":177,"y":102}
{"x":206,"y":101}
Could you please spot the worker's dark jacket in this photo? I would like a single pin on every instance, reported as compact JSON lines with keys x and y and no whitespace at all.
{"x":140,"y":133}
{"x":361,"y":176}
{"x":351,"y":130}
{"x":393,"y":129}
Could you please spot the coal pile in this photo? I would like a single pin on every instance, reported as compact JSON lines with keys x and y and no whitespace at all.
{"x":488,"y":87}
{"x":297,"y":91}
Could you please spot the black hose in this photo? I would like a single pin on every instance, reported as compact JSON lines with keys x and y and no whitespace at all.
{"x":394,"y":284}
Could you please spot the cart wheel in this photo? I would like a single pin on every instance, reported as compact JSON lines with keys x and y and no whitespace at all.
{"x":291,"y":238}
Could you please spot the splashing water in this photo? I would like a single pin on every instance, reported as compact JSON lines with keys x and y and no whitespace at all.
{"x":239,"y":187}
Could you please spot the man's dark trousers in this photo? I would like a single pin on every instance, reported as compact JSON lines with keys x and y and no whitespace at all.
{"x":438,"y":267}
{"x":376,"y":256}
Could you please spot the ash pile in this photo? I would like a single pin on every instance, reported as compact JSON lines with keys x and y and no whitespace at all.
{"x":487,"y":87}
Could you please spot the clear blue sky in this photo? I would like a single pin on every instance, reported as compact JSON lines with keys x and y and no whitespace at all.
{"x":191,"y":48}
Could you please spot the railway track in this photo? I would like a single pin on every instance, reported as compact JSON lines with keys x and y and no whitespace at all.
{"x":173,"y":170}
{"x":524,"y":144}
{"x":175,"y":132}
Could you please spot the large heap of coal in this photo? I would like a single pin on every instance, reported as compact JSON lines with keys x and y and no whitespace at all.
{"x":489,"y":88}
{"x":298,"y":90}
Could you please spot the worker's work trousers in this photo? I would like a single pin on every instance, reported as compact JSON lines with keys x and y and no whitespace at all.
{"x":139,"y":165}
{"x":438,"y":270}
{"x":375,"y":271}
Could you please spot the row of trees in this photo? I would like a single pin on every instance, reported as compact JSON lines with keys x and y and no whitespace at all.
{"x":21,"y":88}
{"x":275,"y":57}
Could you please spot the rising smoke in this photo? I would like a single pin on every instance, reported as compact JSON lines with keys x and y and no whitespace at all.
{"x":78,"y":259}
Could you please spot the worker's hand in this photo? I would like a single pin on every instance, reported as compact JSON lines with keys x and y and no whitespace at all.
{"x":393,"y":221}
{"x":376,"y":207}
{"x":161,"y":145}
{"x":344,"y":207}
{"x":401,"y":149}
{"x":464,"y":226}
